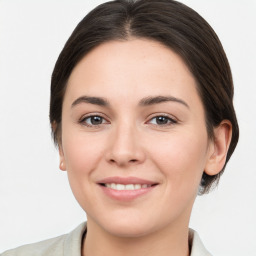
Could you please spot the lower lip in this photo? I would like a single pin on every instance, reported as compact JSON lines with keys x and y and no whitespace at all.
{"x":126,"y":195}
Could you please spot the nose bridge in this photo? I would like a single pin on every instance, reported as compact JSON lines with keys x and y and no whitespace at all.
{"x":125,"y":137}
{"x":125,"y":147}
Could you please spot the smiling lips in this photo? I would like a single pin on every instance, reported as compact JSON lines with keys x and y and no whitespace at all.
{"x":126,"y":188}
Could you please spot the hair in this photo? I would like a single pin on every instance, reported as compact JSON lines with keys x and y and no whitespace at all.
{"x":174,"y":25}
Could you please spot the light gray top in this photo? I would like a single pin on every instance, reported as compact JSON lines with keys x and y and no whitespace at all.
{"x":70,"y":245}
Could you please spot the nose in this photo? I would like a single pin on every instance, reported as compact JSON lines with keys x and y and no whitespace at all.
{"x":125,"y":147}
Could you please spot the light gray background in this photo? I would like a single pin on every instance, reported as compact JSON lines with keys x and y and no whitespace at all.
{"x":35,"y":199}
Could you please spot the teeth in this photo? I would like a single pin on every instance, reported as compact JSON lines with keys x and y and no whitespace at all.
{"x":120,"y":187}
{"x":137,"y":186}
{"x":129,"y":187}
{"x":126,"y":187}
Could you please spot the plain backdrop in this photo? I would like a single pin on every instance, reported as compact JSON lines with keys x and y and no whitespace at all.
{"x":35,"y":199}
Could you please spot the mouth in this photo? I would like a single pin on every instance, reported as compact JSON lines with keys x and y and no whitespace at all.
{"x":126,"y":188}
{"x":118,"y":186}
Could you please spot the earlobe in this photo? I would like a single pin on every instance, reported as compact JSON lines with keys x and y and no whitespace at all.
{"x":62,"y":166}
{"x":62,"y":159}
{"x":55,"y":128}
{"x":219,"y":149}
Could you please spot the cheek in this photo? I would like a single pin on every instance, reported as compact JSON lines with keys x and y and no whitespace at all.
{"x":81,"y":150}
{"x":82,"y":154}
{"x":181,"y":158}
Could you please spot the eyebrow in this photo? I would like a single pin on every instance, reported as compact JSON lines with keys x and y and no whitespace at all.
{"x":92,"y":100}
{"x":148,"y":101}
{"x":160,"y":99}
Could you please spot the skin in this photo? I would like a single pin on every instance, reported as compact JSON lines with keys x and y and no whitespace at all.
{"x":130,"y":141}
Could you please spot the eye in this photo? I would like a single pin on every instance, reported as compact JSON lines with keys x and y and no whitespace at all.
{"x":93,"y":120}
{"x":162,"y":120}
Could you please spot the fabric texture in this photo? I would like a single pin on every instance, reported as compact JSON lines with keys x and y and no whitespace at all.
{"x":70,"y":245}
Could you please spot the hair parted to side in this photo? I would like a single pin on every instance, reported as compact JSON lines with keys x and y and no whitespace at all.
{"x":173,"y":24}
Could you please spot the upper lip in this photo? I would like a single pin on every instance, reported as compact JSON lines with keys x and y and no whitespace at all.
{"x":125,"y":180}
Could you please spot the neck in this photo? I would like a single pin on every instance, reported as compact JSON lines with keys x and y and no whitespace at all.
{"x":168,"y":241}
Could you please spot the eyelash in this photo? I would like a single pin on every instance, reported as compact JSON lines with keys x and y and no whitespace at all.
{"x":83,"y":120}
{"x":171,"y":121}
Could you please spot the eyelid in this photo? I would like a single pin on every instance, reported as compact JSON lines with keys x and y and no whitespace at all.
{"x":172,"y":119}
{"x":84,"y":117}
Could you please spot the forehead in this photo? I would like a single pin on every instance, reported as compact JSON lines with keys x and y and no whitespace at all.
{"x":131,"y":69}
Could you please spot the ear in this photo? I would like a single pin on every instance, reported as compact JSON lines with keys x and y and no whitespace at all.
{"x":56,"y":127}
{"x":219,"y":148}
{"x":62,"y":159}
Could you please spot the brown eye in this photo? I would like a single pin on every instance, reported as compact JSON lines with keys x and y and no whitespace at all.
{"x":96,"y":120}
{"x":162,"y":120}
{"x":93,"y":120}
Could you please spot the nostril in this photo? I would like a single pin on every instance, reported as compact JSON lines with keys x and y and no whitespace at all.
{"x":122,"y":159}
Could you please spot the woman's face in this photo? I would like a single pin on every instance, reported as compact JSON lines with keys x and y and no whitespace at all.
{"x":134,"y":140}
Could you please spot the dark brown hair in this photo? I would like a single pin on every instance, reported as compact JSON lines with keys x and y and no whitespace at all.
{"x":174,"y":25}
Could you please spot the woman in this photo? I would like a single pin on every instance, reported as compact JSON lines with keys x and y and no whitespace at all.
{"x":141,"y":111}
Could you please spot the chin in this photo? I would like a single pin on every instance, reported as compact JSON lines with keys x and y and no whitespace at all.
{"x":122,"y":225}
{"x":130,"y":226}
{"x":128,"y":230}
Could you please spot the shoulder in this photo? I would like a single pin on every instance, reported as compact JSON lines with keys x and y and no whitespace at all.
{"x":68,"y":244}
{"x":52,"y":246}
{"x":197,"y":247}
